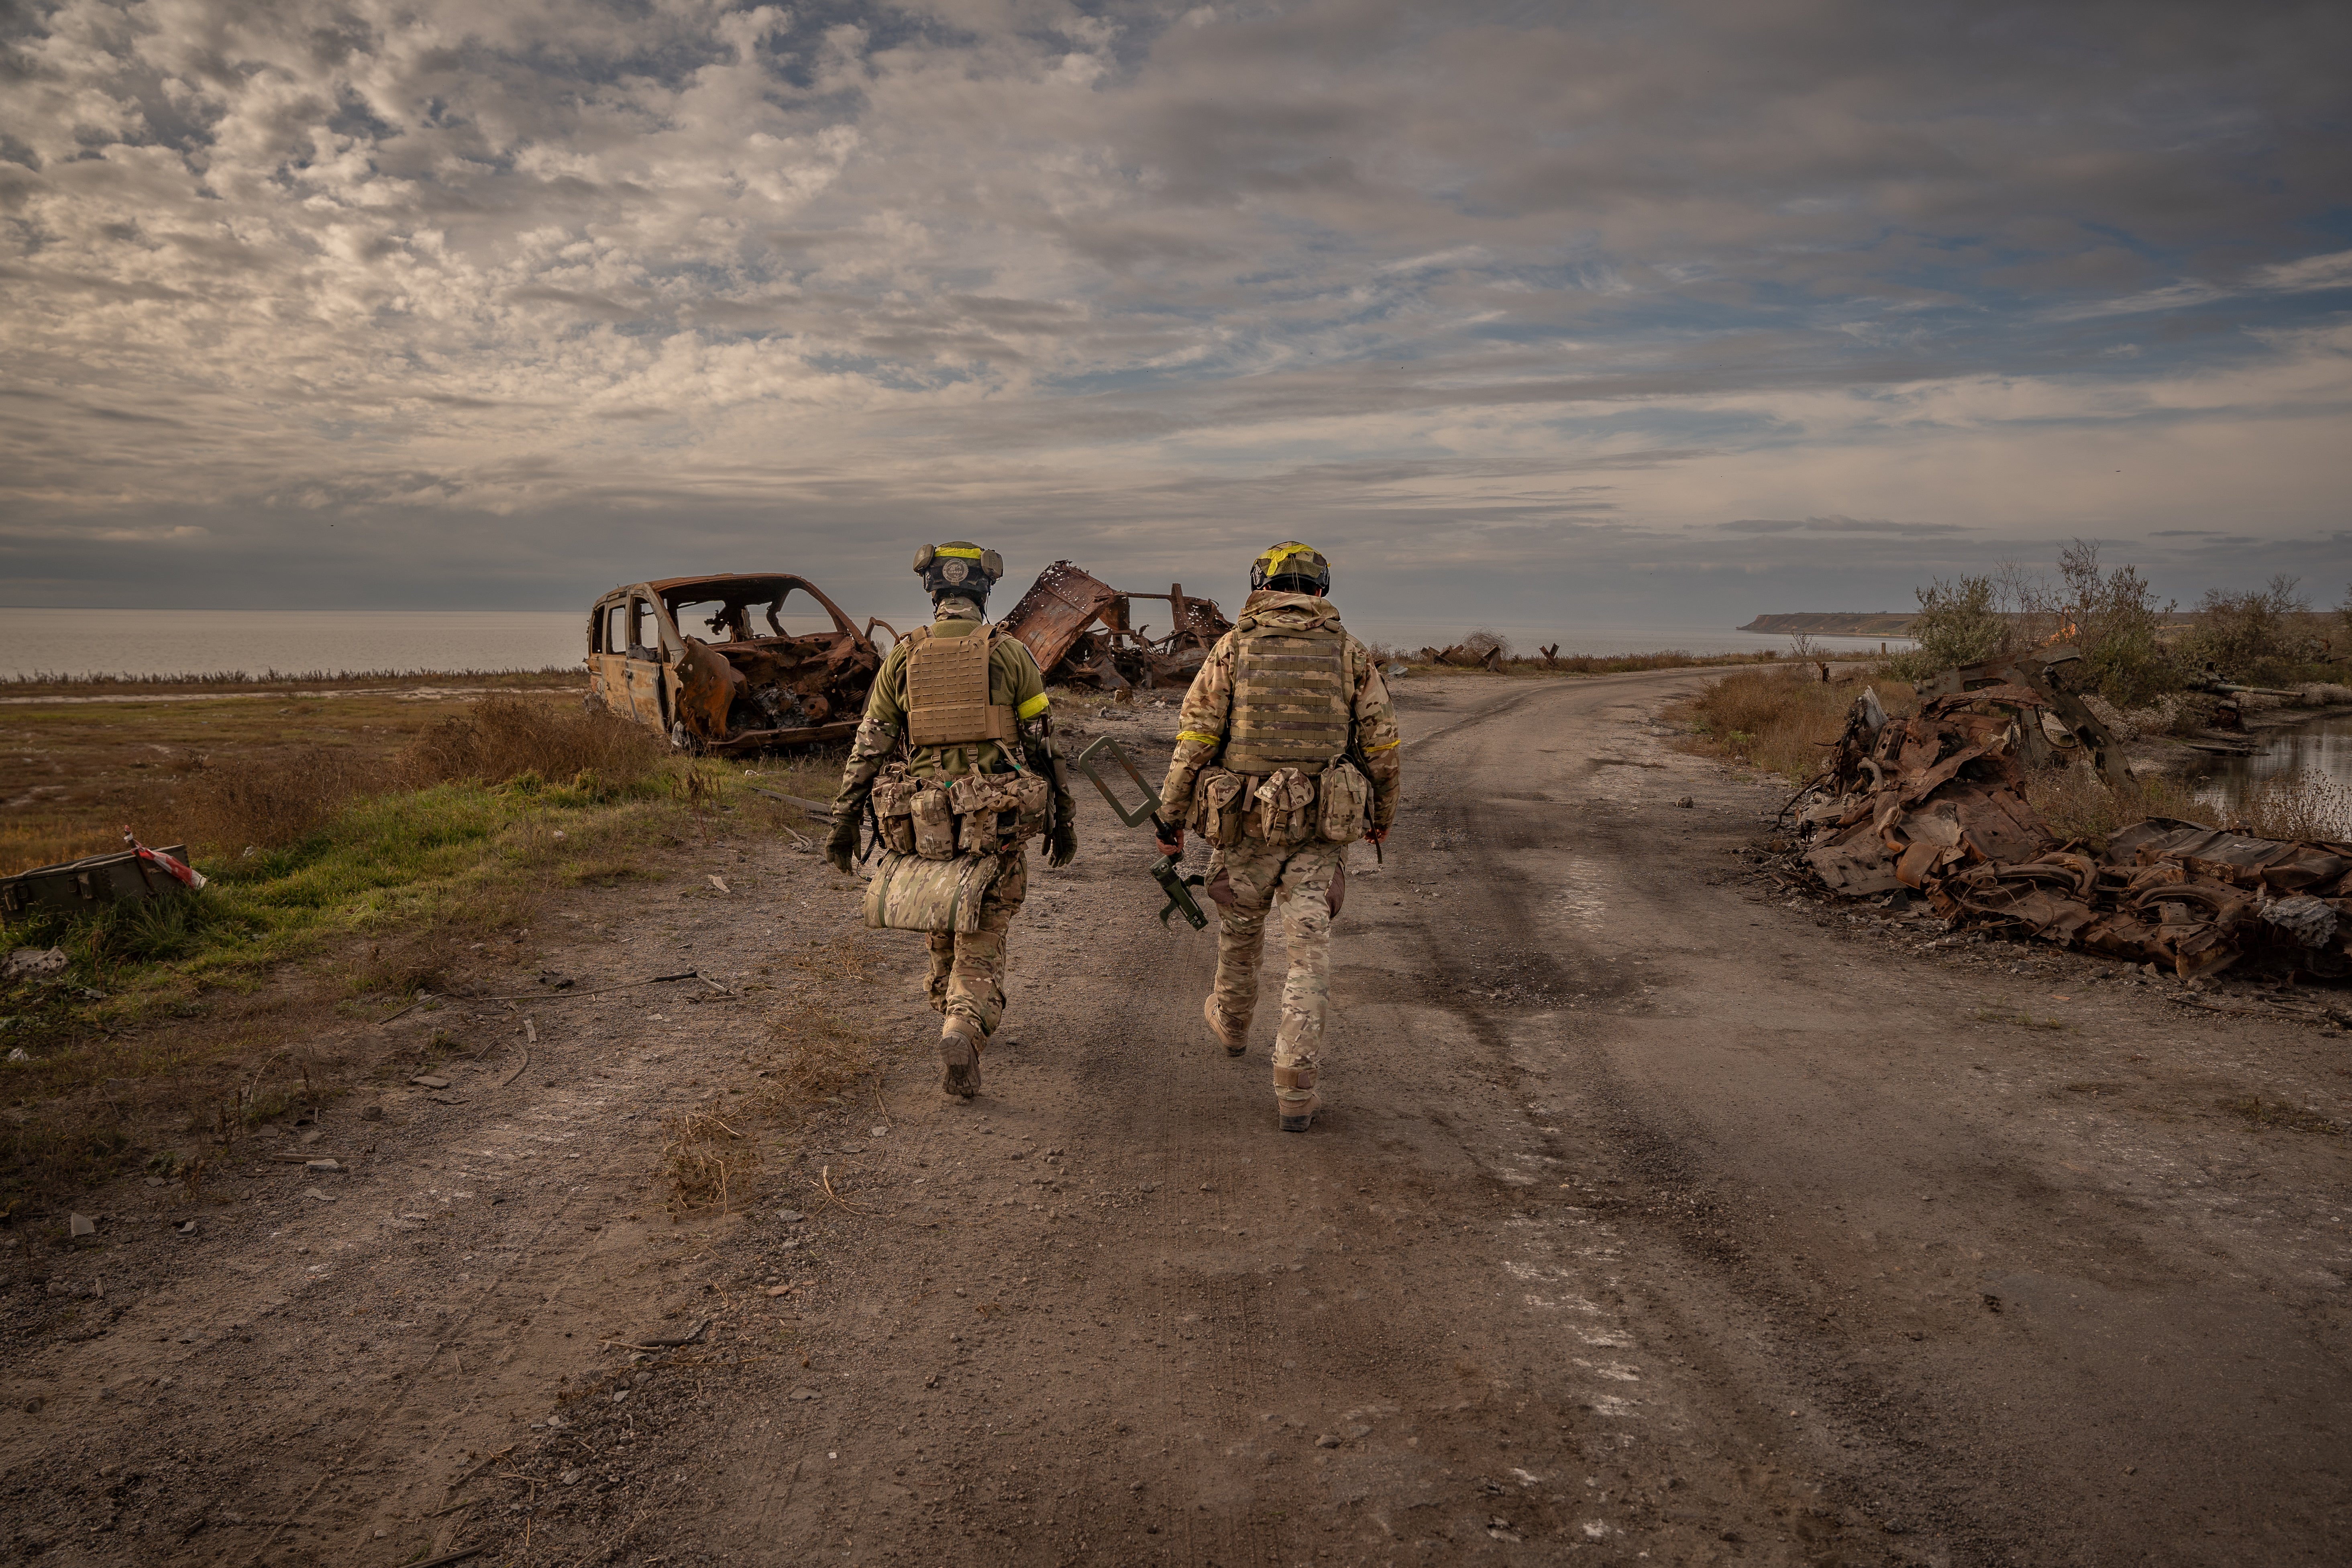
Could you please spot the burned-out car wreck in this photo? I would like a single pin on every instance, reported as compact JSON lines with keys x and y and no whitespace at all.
{"x":710,"y":664}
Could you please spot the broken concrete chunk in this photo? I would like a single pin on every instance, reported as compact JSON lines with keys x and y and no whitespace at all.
{"x":81,"y":1225}
{"x":32,"y":963}
{"x":429,"y":1080}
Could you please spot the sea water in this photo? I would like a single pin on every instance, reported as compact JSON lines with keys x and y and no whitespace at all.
{"x":304,"y":642}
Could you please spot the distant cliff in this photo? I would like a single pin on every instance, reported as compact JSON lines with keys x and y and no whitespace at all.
{"x":1837,"y":623}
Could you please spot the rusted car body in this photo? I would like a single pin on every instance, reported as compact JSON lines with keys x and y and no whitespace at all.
{"x":745,"y":685}
{"x":1084,"y":633}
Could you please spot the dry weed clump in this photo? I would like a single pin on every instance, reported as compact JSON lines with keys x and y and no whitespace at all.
{"x":707,"y":1162}
{"x":503,"y":739}
{"x":1783,"y":720}
{"x":817,"y":1055}
{"x":2075,"y":803}
{"x":2294,"y":806}
{"x":270,"y":801}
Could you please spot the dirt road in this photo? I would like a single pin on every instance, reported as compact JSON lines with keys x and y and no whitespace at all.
{"x":1658,"y":1215}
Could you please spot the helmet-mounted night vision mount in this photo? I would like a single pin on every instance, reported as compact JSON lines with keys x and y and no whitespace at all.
{"x":958,"y":567}
{"x":1291,"y":559}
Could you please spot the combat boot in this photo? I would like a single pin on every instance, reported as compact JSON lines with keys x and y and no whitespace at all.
{"x":1235,"y":1038}
{"x":959,"y":1052}
{"x":1294,"y":1098}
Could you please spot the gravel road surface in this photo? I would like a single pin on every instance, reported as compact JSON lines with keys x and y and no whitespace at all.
{"x":1659,"y":1214}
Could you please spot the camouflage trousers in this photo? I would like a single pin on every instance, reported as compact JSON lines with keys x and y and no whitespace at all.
{"x":967,"y":978}
{"x":1308,"y":882}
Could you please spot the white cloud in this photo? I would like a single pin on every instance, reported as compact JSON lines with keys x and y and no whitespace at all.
{"x":354,"y":259}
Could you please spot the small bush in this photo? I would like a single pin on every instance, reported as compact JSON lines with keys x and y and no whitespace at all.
{"x":1957,"y":624}
{"x":2255,"y":636}
{"x":509,"y":741}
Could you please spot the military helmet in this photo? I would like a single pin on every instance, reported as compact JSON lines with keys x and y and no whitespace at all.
{"x":959,"y":566}
{"x":1291,"y":559}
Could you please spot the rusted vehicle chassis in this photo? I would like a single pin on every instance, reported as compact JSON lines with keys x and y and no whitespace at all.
{"x":750,"y":685}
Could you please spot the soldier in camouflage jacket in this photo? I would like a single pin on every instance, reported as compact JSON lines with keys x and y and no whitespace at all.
{"x":1287,"y":753}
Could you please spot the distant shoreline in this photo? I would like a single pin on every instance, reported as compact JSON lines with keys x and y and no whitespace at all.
{"x":1836,"y":623}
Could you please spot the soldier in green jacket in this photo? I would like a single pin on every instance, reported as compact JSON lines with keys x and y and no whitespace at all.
{"x":948,"y":709}
{"x":1287,"y":753}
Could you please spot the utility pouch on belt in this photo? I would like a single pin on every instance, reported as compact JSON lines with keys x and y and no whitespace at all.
{"x":947,"y":691}
{"x":1219,"y":803}
{"x":907,"y":893}
{"x":1285,"y":808}
{"x":934,"y":823}
{"x":893,"y":802}
{"x":1343,"y":797}
{"x":996,"y":811}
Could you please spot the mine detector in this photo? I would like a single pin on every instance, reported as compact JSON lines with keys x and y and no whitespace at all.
{"x":706,"y":663}
{"x":2058,"y":728}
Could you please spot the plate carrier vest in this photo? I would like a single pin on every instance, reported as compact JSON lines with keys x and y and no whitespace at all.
{"x":1292,"y":707}
{"x":947,"y":691}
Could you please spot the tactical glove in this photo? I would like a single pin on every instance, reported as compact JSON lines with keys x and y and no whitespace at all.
{"x":840,"y":844}
{"x":1062,"y":838}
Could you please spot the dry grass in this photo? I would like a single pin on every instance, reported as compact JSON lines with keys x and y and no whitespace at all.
{"x":707,"y":1162}
{"x":1781,"y":720}
{"x":78,"y":770}
{"x":2294,"y":806}
{"x":817,"y":1056}
{"x":501,"y":739}
{"x":274,"y":803}
{"x":2079,"y":805}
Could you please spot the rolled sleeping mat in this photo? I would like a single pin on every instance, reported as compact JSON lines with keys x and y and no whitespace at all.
{"x":907,"y":893}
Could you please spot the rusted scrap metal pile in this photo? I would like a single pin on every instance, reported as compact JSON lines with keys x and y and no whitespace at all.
{"x":1937,"y":804}
{"x":1085,"y":633}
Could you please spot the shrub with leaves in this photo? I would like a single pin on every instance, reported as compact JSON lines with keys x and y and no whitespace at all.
{"x":1958,"y":623}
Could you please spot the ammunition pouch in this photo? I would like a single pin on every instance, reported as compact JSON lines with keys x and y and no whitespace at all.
{"x":1343,"y":802}
{"x":894,"y":807}
{"x":907,"y":893}
{"x":978,"y":814}
{"x":1283,"y":808}
{"x":995,"y":811}
{"x":1219,"y":803}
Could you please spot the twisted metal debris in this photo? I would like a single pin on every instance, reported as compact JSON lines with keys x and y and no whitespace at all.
{"x":1935,"y":804}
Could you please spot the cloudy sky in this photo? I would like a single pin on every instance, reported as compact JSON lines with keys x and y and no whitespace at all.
{"x":1598,"y":311}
